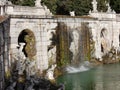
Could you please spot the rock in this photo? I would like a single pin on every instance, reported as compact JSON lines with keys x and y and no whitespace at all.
{"x":113,"y":58}
{"x":33,"y":83}
{"x":110,"y":55}
{"x":61,"y":87}
{"x":20,"y":86}
{"x":117,"y":57}
{"x":12,"y":86}
{"x":100,"y":59}
{"x":50,"y":72}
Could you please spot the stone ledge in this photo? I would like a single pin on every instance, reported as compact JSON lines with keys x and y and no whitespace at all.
{"x":32,"y":16}
{"x":82,"y":17}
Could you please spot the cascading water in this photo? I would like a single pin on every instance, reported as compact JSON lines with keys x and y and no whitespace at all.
{"x":80,"y":47}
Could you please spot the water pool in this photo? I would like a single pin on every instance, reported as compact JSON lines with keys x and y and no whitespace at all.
{"x":104,"y":77}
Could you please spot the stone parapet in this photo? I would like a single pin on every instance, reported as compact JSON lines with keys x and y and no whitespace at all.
{"x":103,"y":16}
{"x":26,"y":10}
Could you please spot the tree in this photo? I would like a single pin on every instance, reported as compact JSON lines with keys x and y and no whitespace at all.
{"x":115,"y":5}
{"x":63,"y":7}
{"x":102,"y":5}
{"x":23,"y":2}
{"x":81,"y":7}
{"x":51,"y":4}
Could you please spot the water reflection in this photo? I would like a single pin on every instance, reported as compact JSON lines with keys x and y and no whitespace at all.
{"x":105,"y":77}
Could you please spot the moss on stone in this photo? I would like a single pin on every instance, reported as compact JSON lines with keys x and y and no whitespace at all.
{"x":85,"y":42}
{"x":64,"y":55}
{"x":57,"y":72}
{"x":21,"y":79}
{"x":30,"y":47}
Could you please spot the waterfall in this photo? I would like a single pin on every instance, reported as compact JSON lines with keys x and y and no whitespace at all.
{"x":73,"y":46}
{"x":80,"y":47}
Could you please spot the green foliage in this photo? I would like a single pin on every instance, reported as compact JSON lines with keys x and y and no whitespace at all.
{"x":81,"y":7}
{"x":62,"y":7}
{"x":102,"y":5}
{"x":23,"y":2}
{"x":115,"y":4}
{"x":51,"y":4}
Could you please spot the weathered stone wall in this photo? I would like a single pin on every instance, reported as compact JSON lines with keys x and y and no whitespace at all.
{"x":40,"y":32}
{"x":98,"y":31}
{"x":4,"y":49}
{"x":26,"y":10}
{"x":109,"y":26}
{"x":45,"y":28}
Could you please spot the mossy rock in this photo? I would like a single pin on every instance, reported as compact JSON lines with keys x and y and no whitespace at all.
{"x":21,"y":79}
{"x":58,"y":72}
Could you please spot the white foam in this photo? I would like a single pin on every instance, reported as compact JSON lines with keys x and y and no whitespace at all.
{"x":71,"y":69}
{"x":81,"y":68}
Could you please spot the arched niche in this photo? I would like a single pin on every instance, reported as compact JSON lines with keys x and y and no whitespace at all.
{"x":27,"y":36}
{"x":103,"y":35}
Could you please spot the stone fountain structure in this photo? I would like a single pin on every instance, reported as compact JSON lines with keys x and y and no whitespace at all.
{"x":53,"y":37}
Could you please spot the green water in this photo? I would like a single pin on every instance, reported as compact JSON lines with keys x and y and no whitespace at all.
{"x":104,"y":77}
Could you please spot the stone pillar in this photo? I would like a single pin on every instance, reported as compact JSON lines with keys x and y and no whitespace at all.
{"x":1,"y":10}
{"x":2,"y":3}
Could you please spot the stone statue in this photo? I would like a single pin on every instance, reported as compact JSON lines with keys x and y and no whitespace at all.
{"x":94,"y":4}
{"x":21,"y":59}
{"x":72,"y":13}
{"x":21,"y":54}
{"x":2,"y":2}
{"x":47,"y":11}
{"x":24,"y":63}
{"x":90,"y":12}
{"x":113,"y":11}
{"x":9,"y":3}
{"x":109,"y":8}
{"x":38,"y":3}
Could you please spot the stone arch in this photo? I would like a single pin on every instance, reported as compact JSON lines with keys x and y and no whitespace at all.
{"x":103,"y":37}
{"x":27,"y":36}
